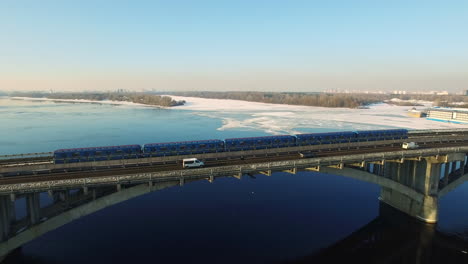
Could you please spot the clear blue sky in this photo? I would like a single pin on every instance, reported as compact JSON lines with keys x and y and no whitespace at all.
{"x":234,"y":45}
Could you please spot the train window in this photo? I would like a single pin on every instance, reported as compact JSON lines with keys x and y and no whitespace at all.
{"x":173,"y":148}
{"x":182,"y":147}
{"x":163,"y":148}
{"x":202,"y":145}
{"x":76,"y":154}
{"x":193,"y":146}
{"x":119,"y":151}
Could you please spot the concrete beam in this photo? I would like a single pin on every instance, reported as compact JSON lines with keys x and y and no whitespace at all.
{"x":337,"y":166}
{"x":402,"y":160}
{"x":291,"y":171}
{"x":267,"y":173}
{"x":361,"y":164}
{"x":237,"y":176}
{"x":315,"y":168}
{"x":378,"y":162}
{"x":372,"y":178}
{"x":450,"y":157}
{"x":414,"y":158}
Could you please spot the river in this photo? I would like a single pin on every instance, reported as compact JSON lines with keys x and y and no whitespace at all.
{"x":279,"y":219}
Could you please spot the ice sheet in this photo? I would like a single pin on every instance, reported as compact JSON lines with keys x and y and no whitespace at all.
{"x":289,"y":119}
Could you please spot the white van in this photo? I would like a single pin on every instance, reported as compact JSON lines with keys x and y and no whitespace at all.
{"x":192,"y":163}
{"x":410,"y":145}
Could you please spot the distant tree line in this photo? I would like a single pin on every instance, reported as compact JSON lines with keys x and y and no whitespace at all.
{"x":308,"y":99}
{"x":332,"y":99}
{"x":140,"y":98}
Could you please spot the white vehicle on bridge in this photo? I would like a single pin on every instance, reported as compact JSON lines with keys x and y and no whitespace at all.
{"x":192,"y":163}
{"x":410,"y":145}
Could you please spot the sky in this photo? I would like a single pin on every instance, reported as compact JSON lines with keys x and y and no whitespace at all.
{"x":269,"y":45}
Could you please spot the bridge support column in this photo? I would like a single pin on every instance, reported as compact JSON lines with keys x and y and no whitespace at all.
{"x":33,"y":207}
{"x":462,"y":168}
{"x":211,"y":179}
{"x":446,"y":173}
{"x":5,"y":217}
{"x":423,"y":176}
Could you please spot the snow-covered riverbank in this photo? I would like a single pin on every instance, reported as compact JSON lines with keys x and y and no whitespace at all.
{"x":84,"y":101}
{"x":277,"y":118}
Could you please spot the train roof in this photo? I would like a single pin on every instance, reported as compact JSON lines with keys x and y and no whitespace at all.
{"x":382,"y":130}
{"x":279,"y":136}
{"x":327,"y":133}
{"x":98,"y":148}
{"x":185,"y":142}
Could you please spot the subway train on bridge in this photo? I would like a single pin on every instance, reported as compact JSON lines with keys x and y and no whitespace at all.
{"x":215,"y":145}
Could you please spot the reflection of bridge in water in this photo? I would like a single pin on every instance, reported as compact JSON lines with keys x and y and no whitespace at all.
{"x":393,"y":237}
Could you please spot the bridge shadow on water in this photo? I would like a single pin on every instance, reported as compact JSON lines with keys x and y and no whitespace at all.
{"x":393,"y":237}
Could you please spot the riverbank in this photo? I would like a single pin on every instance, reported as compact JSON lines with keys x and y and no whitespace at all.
{"x":107,"y":102}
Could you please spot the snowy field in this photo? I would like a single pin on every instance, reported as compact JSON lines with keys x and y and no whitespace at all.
{"x":289,"y":119}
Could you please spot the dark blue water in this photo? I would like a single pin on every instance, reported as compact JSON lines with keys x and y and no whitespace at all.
{"x":283,"y":218}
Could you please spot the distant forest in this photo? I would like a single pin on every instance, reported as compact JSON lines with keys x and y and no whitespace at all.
{"x":309,"y":99}
{"x":329,"y":100}
{"x":140,"y":98}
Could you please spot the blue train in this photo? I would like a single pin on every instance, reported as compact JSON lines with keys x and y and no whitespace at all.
{"x":216,"y":145}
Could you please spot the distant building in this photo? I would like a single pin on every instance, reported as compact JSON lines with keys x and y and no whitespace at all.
{"x":416,"y":113}
{"x":450,"y":115}
{"x":465,"y":93}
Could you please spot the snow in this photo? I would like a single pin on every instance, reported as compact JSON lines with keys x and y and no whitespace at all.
{"x":123,"y":103}
{"x":289,"y":119}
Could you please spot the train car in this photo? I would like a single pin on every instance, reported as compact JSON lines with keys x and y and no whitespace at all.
{"x":325,"y":138}
{"x":97,"y":153}
{"x":183,"y":148}
{"x":375,"y":135}
{"x":396,"y":134}
{"x":252,"y":143}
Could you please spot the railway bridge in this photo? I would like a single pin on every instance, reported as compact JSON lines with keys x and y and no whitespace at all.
{"x":411,"y":181}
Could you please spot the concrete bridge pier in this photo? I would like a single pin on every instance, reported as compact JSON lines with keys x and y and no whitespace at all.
{"x":421,"y":175}
{"x":5,"y":217}
{"x":33,"y":207}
